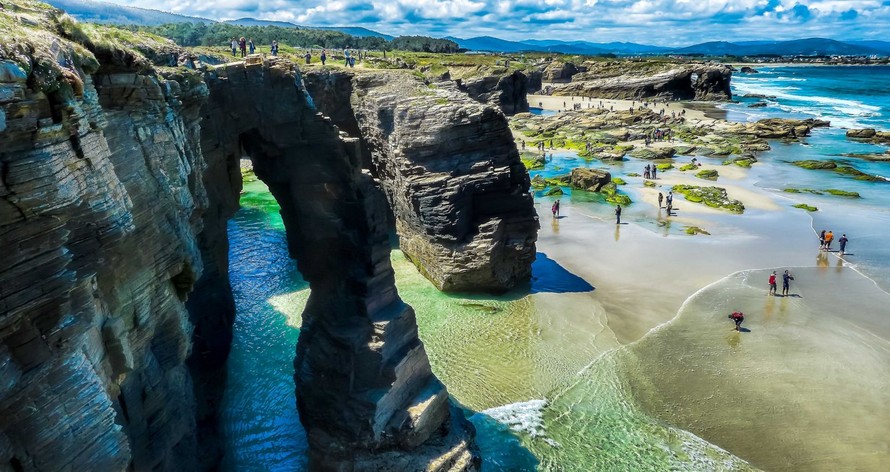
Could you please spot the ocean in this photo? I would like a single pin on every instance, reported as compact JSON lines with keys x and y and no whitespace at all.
{"x":620,"y":356}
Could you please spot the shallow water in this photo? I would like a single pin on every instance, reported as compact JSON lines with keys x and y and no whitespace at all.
{"x":605,"y":362}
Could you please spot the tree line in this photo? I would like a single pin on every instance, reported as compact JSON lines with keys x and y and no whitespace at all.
{"x":221,"y":34}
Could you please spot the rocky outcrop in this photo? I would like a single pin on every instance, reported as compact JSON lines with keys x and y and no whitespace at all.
{"x":749,"y":70}
{"x":624,"y":81}
{"x":452,"y":174}
{"x":117,"y":179}
{"x":777,"y":128}
{"x":508,"y":92}
{"x":869,"y":134}
{"x":559,"y":72}
{"x":454,"y":179}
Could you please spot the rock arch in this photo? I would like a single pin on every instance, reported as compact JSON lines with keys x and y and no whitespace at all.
{"x":365,"y":391}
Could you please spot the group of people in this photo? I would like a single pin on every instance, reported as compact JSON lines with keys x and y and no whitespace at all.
{"x":323,"y":56}
{"x":244,"y":45}
{"x":659,"y":134}
{"x":786,"y":283}
{"x":825,"y":239}
{"x":650,"y":171}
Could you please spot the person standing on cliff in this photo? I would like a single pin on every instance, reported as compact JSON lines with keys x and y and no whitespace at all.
{"x":308,"y":56}
{"x":242,"y":43}
{"x":618,"y":215}
{"x":250,"y":46}
{"x":323,"y":57}
{"x":234,"y":47}
{"x":346,"y":55}
{"x":274,"y":48}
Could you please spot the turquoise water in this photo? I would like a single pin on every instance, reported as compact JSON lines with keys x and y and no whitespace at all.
{"x":550,"y":376}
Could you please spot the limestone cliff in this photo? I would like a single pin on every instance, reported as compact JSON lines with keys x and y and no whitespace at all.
{"x":629,"y":80}
{"x":508,"y":91}
{"x":117,"y":179}
{"x":451,"y":172}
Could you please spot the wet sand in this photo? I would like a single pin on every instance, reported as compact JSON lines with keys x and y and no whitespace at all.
{"x":694,"y":110}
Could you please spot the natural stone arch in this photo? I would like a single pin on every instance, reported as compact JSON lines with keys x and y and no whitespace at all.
{"x":365,"y":391}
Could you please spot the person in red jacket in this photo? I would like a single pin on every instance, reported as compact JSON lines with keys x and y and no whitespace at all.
{"x":772,"y":283}
{"x":737,"y":317}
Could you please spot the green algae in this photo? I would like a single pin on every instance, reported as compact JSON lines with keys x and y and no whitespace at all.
{"x":664,"y":166}
{"x":693,"y":230}
{"x":649,"y":183}
{"x":618,"y":181}
{"x":842,"y":193}
{"x":554,"y":191}
{"x":741,"y":161}
{"x":802,"y":190}
{"x":714,"y":197}
{"x":804,"y":206}
{"x":815,"y":165}
{"x":689,"y":166}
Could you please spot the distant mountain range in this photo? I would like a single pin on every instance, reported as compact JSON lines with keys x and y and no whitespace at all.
{"x":103,"y":12}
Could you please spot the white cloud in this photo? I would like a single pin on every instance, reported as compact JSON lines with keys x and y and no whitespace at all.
{"x":669,"y":22}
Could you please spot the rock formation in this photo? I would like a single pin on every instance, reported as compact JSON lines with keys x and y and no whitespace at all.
{"x":452,"y":174}
{"x":509,"y":92}
{"x":650,"y":80}
{"x":869,"y":134}
{"x":560,"y":72}
{"x":117,"y":180}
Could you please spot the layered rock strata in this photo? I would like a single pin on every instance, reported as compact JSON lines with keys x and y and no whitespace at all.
{"x":508,"y":92}
{"x":100,"y":202}
{"x":679,"y":82}
{"x":454,"y":179}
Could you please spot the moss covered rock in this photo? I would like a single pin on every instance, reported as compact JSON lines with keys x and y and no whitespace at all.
{"x":693,"y":230}
{"x":804,"y":206}
{"x":815,"y":165}
{"x":715,"y":197}
{"x":707,"y":174}
{"x":590,"y":179}
{"x":554,"y":191}
{"x":618,"y":181}
{"x":649,"y":183}
{"x":842,"y":193}
{"x":689,"y":166}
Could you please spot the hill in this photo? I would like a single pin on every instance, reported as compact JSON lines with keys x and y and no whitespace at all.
{"x":104,"y":12}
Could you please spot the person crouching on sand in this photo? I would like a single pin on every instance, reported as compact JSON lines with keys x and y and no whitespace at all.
{"x":737,"y":317}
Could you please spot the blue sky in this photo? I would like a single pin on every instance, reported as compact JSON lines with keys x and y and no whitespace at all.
{"x":663,"y":22}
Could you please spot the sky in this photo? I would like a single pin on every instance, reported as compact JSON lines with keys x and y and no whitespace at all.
{"x":658,"y":22}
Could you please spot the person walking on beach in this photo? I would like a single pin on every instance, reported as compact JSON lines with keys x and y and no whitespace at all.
{"x":786,"y":282}
{"x":660,"y":199}
{"x":555,"y":209}
{"x":822,"y":240}
{"x":618,"y":215}
{"x":737,"y":317}
{"x":772,"y":284}
{"x":829,"y":236}
{"x":843,"y":243}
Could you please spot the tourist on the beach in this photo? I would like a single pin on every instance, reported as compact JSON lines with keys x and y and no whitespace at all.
{"x":324,"y":56}
{"x":652,"y":174}
{"x":828,"y":237}
{"x":822,"y":240}
{"x":618,"y":215}
{"x":234,"y":47}
{"x":555,"y":209}
{"x":772,"y":284}
{"x":786,"y":282}
{"x":660,"y":199}
{"x":523,"y":145}
{"x":242,"y":43}
{"x":646,"y":172}
{"x":737,"y":317}
{"x":250,"y":46}
{"x":843,"y":243}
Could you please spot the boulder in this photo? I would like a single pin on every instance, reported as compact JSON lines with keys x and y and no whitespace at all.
{"x":749,"y":70}
{"x":866,"y":133}
{"x":590,"y":179}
